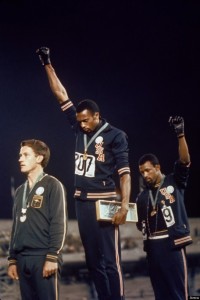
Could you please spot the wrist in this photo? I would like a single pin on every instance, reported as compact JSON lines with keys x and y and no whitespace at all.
{"x":180,"y":135}
{"x":125,"y":207}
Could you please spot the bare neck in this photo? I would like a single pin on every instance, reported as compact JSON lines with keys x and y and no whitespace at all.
{"x":158,"y":181}
{"x":34,"y":175}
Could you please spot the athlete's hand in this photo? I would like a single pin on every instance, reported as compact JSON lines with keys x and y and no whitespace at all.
{"x":178,"y":123}
{"x":50,"y":268}
{"x":119,"y":217}
{"x":44,"y":55}
{"x":12,"y":272}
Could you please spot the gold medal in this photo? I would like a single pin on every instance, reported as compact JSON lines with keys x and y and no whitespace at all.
{"x":153,"y":212}
{"x":23,"y":218}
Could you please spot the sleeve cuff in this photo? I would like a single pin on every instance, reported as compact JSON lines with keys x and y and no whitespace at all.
{"x":66,"y":105}
{"x":12,"y":262}
{"x":52,"y":257}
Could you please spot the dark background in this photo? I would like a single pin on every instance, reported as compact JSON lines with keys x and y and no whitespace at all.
{"x":139,"y":60}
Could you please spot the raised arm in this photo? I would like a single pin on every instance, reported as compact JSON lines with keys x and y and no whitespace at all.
{"x":55,"y":84}
{"x":178,"y":124}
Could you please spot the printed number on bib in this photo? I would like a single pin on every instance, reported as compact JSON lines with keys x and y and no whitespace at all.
{"x":168,"y":216}
{"x":84,"y":167}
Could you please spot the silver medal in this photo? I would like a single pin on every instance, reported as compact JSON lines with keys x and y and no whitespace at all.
{"x":23,"y":218}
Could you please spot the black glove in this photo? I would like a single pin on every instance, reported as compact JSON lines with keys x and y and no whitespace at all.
{"x":178,"y":123}
{"x":44,"y":55}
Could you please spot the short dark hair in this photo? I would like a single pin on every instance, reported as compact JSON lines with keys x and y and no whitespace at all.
{"x":149,"y":157}
{"x":40,"y":148}
{"x":87,"y":104}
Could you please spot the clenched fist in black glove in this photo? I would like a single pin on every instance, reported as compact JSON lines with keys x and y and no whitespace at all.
{"x":44,"y":55}
{"x":178,"y":123}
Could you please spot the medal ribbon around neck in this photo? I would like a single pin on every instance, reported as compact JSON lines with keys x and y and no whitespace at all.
{"x":86,"y":145}
{"x":24,"y":199}
{"x":154,"y":200}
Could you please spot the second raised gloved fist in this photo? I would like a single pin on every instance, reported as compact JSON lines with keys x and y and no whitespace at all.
{"x":178,"y":123}
{"x":44,"y":55}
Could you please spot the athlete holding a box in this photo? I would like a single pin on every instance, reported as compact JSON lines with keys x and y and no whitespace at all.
{"x":101,"y":149}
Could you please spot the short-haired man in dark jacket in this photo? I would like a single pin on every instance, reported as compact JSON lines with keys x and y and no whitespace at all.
{"x":163,"y":220}
{"x":39,"y":226}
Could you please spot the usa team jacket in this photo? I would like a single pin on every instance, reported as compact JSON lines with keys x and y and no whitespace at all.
{"x":106,"y":154}
{"x":42,"y":229}
{"x":171,"y":204}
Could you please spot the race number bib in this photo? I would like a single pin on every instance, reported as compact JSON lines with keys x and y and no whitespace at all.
{"x":168,"y":216}
{"x":84,"y":167}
